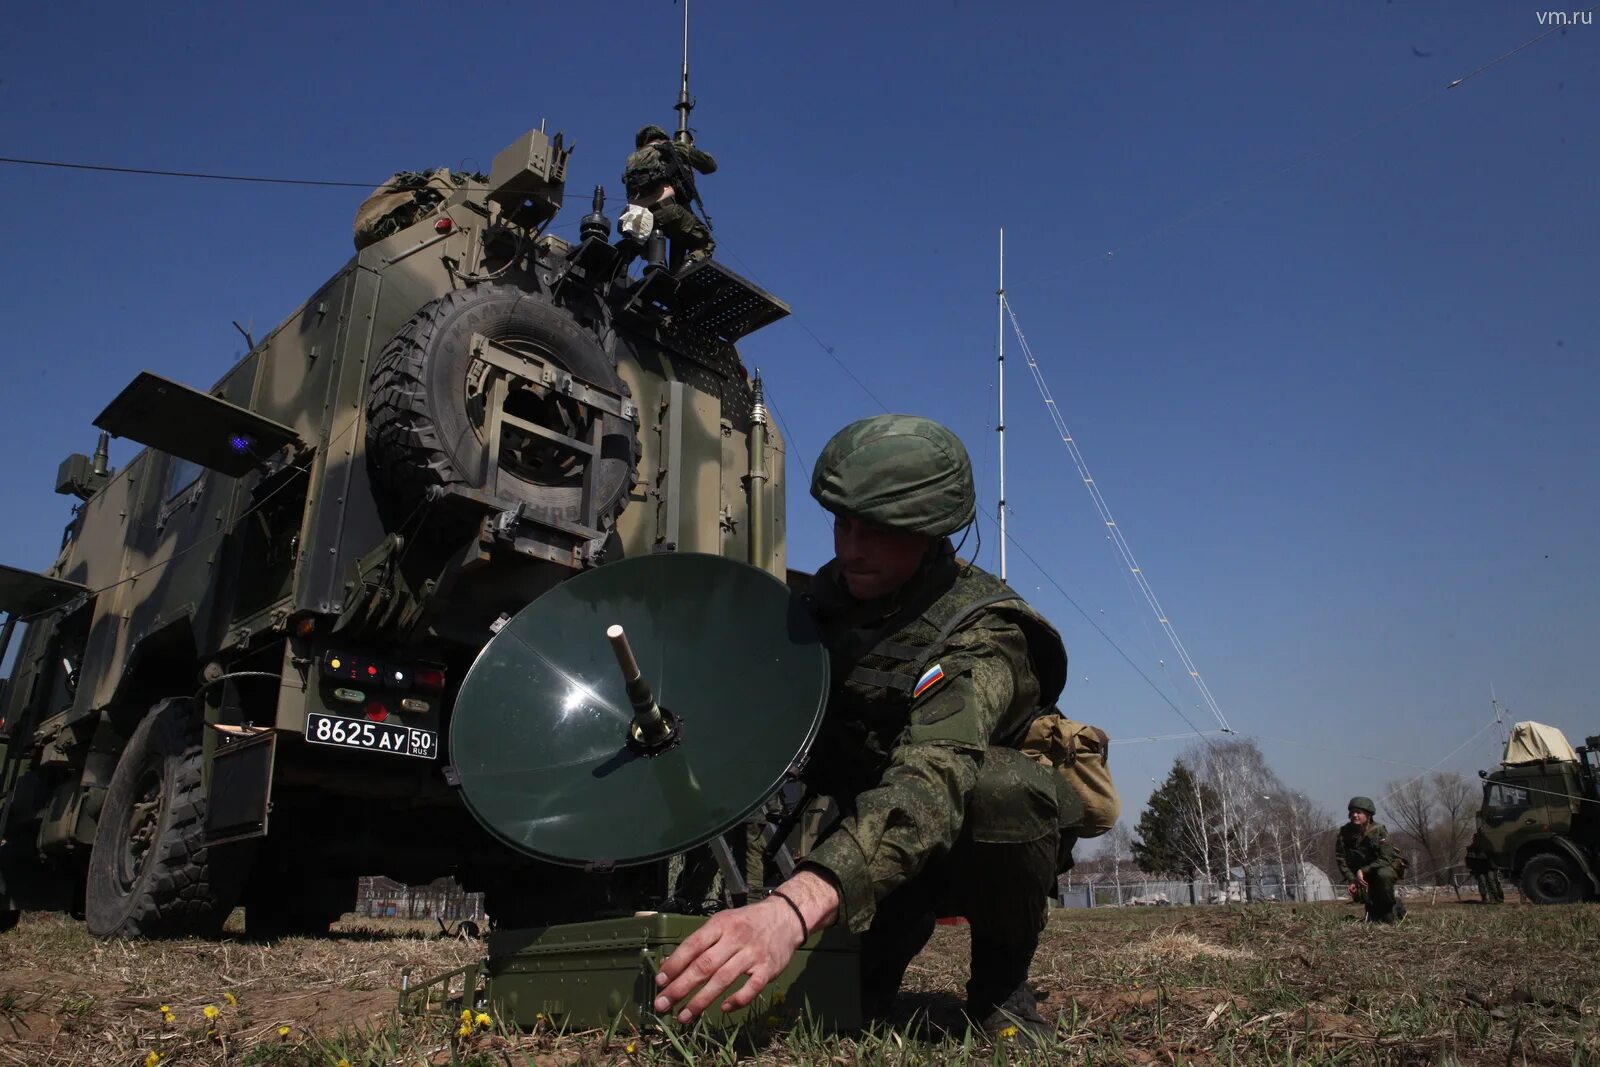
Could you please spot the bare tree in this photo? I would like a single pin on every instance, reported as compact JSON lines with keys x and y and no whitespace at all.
{"x":1436,"y":814}
{"x":1294,"y":828}
{"x":1116,"y":851}
{"x":1237,"y":772}
{"x":1456,"y":798}
{"x":1409,"y":804}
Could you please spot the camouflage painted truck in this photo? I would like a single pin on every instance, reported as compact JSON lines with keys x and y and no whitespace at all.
{"x":1540,"y":820}
{"x":235,"y":682}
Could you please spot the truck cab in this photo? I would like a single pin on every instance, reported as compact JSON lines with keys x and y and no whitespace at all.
{"x":1541,"y":818}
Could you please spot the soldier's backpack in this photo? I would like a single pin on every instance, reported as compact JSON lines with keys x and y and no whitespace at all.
{"x":1080,"y":753}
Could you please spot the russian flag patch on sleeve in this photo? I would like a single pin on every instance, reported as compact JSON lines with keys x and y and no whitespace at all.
{"x":930,"y":678}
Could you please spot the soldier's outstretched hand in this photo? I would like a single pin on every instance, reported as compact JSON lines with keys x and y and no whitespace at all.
{"x":756,"y":941}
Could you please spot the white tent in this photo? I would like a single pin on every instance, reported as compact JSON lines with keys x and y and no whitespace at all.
{"x":1534,"y":742}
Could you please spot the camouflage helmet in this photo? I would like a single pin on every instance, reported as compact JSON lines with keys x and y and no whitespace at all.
{"x":899,"y":471}
{"x":647,"y":134}
{"x":1362,"y":804}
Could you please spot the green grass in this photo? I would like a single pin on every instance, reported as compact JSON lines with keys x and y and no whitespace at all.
{"x":1262,"y":984}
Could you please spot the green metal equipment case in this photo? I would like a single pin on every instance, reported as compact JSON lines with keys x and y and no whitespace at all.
{"x":591,"y":975}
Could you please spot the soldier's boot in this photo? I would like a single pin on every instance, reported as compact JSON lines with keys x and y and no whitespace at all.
{"x":887,"y":949}
{"x":1000,"y":1002}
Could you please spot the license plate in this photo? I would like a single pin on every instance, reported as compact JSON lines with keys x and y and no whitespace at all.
{"x":371,"y":736}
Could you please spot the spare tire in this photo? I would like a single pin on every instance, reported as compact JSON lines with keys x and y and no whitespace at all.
{"x":426,"y":408}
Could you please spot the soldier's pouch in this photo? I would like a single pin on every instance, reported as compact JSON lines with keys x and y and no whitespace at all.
{"x":1078,"y":754}
{"x":946,"y":718}
{"x":1014,"y":801}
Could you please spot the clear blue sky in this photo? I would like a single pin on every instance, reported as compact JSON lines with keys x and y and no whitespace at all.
{"x":1325,"y":330}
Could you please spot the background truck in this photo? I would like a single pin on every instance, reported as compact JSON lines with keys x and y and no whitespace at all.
{"x":1540,"y":820}
{"x":236,"y":680}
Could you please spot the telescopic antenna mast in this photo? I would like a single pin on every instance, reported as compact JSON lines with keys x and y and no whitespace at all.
{"x":684,"y":104}
{"x":1000,"y":303}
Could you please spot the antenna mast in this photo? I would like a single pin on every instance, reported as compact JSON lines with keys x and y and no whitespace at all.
{"x":684,"y":104}
{"x":1499,"y":715}
{"x":1000,"y":309}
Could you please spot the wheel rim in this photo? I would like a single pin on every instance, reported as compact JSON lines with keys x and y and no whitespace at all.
{"x":1553,"y":882}
{"x":142,"y":828}
{"x":524,"y":455}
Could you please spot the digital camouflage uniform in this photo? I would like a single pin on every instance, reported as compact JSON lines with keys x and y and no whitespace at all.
{"x":939,"y":814}
{"x":1367,"y":849}
{"x":658,"y":164}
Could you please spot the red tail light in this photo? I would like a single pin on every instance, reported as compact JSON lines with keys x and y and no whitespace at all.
{"x":429,"y":678}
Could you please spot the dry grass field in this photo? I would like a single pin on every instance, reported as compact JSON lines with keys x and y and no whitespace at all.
{"x":1279,"y":984}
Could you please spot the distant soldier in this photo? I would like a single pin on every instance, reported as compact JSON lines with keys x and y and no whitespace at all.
{"x":1481,"y":865}
{"x":659,"y":176}
{"x":1370,"y":863}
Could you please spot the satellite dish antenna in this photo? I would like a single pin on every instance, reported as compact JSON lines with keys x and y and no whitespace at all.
{"x":638,"y":710}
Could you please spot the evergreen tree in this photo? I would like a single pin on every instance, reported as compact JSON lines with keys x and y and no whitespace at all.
{"x":1178,"y":832}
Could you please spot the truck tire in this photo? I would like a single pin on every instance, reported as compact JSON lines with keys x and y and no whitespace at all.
{"x":150,"y":871}
{"x":427,"y":397}
{"x":1549,"y":878}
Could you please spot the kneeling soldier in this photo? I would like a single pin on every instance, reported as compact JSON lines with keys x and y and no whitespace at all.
{"x":937,"y":670}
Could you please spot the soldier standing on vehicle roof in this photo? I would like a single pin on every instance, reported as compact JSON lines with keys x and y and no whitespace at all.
{"x":937,"y":670}
{"x":1370,"y":863}
{"x":659,"y":176}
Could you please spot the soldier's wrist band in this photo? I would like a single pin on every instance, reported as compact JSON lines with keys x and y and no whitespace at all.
{"x":805,"y":929}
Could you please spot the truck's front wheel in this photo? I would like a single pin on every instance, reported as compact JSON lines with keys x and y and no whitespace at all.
{"x":150,"y":872}
{"x":1551,"y":879}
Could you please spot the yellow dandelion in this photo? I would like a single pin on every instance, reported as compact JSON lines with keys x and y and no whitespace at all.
{"x":212,"y":1011}
{"x":165,"y":1009}
{"x":152,"y":1059}
{"x":483,"y":1019}
{"x":342,"y":1063}
{"x":466,"y":1015}
{"x":633,"y":1046}
{"x":1008,"y":1033}
{"x":538,"y":1015}
{"x":283,"y":1031}
{"x":465,"y":1031}
{"x":233,"y":1001}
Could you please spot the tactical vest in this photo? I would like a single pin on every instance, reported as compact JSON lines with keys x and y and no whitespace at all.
{"x":1368,"y":846}
{"x":645,"y":168}
{"x":874,"y":670}
{"x":660,"y":164}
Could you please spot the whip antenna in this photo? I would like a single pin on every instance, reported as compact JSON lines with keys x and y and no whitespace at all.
{"x":1000,"y":309}
{"x":684,"y":104}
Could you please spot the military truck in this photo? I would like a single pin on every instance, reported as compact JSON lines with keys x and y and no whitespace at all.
{"x":235,"y":681}
{"x":1540,"y":820}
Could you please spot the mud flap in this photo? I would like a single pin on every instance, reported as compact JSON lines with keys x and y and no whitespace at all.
{"x":241,"y":785}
